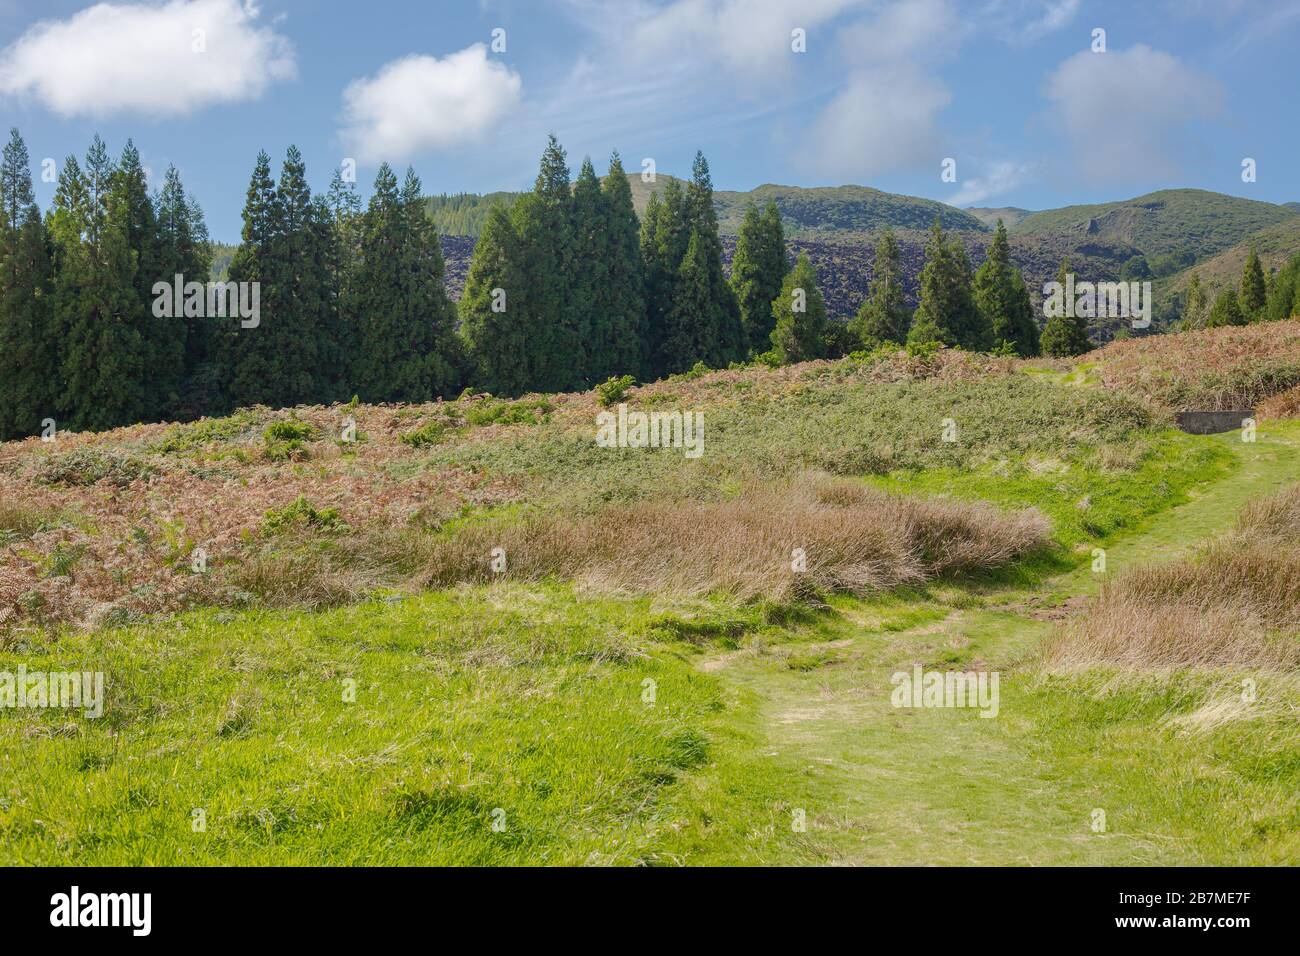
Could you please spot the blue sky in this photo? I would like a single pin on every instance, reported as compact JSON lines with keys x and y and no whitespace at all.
{"x":884,"y":92}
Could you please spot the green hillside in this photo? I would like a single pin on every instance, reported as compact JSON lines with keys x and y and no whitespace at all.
{"x":807,"y":212}
{"x":1275,"y":246}
{"x":1010,"y":215}
{"x":1187,"y":221}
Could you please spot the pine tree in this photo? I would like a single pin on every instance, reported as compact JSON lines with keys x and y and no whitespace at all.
{"x":1284,"y":295}
{"x":1226,"y":311}
{"x":688,"y":329}
{"x":619,"y":339}
{"x":590,"y":240}
{"x":105,"y":359}
{"x":1003,"y":300}
{"x":1194,"y":314}
{"x":946,"y":312}
{"x":758,"y":270}
{"x":1253,"y":294}
{"x":182,"y":249}
{"x":657,"y":279}
{"x":164,"y":336}
{"x":727,"y":340}
{"x":671,"y":238}
{"x":493,"y":319}
{"x":543,"y":221}
{"x":800,"y":313}
{"x":884,"y":316}
{"x":28,"y":346}
{"x":377,"y":339}
{"x":248,"y":358}
{"x":1065,"y":335}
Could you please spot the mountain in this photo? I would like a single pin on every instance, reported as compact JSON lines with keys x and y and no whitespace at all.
{"x":1275,"y":245}
{"x":1175,"y":230}
{"x":1193,"y":223}
{"x":807,"y":211}
{"x":1010,"y":215}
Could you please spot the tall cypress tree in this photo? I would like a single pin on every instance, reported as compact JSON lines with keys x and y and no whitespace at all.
{"x":727,"y":340}
{"x":106,"y":354}
{"x":249,"y":356}
{"x":689,"y":330}
{"x":404,"y":343}
{"x":589,"y":274}
{"x":800,"y":313}
{"x":671,"y":238}
{"x":758,"y":269}
{"x":183,"y":249}
{"x":619,"y":338}
{"x":658,"y":284}
{"x":1253,"y":294}
{"x":884,"y":316}
{"x":544,"y":224}
{"x":493,"y":314}
{"x":28,"y":346}
{"x":377,"y":340}
{"x":946,"y":312}
{"x":1003,"y":300}
{"x":1065,"y":335}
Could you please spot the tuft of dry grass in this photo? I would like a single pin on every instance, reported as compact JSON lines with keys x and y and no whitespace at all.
{"x":852,"y":538}
{"x":1209,"y":369}
{"x":1235,"y":603}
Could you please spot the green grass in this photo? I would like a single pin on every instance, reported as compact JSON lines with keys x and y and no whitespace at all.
{"x":525,"y":700}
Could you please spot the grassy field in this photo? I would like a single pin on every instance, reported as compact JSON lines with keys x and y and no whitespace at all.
{"x":327,"y":691}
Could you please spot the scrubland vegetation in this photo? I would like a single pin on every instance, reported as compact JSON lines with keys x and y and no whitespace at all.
{"x":309,"y":648}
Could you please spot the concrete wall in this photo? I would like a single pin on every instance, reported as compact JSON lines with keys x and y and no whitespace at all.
{"x":1211,"y":423}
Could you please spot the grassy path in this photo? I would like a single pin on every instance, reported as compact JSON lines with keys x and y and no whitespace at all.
{"x":885,"y":785}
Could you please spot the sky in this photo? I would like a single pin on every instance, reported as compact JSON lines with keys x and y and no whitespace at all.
{"x":1029,"y":103}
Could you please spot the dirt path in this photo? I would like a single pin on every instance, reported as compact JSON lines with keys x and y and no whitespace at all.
{"x":888,"y":785}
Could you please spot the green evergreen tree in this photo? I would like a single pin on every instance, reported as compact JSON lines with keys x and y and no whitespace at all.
{"x":1003,"y":300}
{"x":248,"y":356}
{"x":758,"y":270}
{"x":620,"y":333}
{"x":28,"y":346}
{"x":1284,"y":294}
{"x":688,"y":330}
{"x":884,"y":316}
{"x":1065,"y":335}
{"x":1226,"y":311}
{"x":799,"y":332}
{"x":1194,"y":305}
{"x":657,"y":287}
{"x":727,"y":340}
{"x":493,"y":319}
{"x":672,"y":236}
{"x":105,"y":362}
{"x":589,"y":274}
{"x":543,"y":220}
{"x":183,"y":249}
{"x":946,"y":312}
{"x":1253,"y":293}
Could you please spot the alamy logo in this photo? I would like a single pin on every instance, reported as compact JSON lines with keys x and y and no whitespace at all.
{"x":1087,"y":300}
{"x":213,"y":300}
{"x":70,"y":690}
{"x":920,"y":688}
{"x":103,"y":909}
{"x":651,"y":430}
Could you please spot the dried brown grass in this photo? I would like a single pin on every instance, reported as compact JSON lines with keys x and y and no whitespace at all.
{"x":856,"y":539}
{"x":1235,"y":603}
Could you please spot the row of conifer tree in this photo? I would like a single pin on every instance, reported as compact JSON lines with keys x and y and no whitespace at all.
{"x":566,"y":288}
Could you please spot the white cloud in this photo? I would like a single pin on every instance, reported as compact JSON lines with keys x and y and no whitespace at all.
{"x":748,"y":37}
{"x":420,"y":103}
{"x":1001,"y":177}
{"x":885,"y":117}
{"x":1025,"y":21}
{"x":131,"y":58}
{"x":1126,"y":114}
{"x":882,"y":120}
